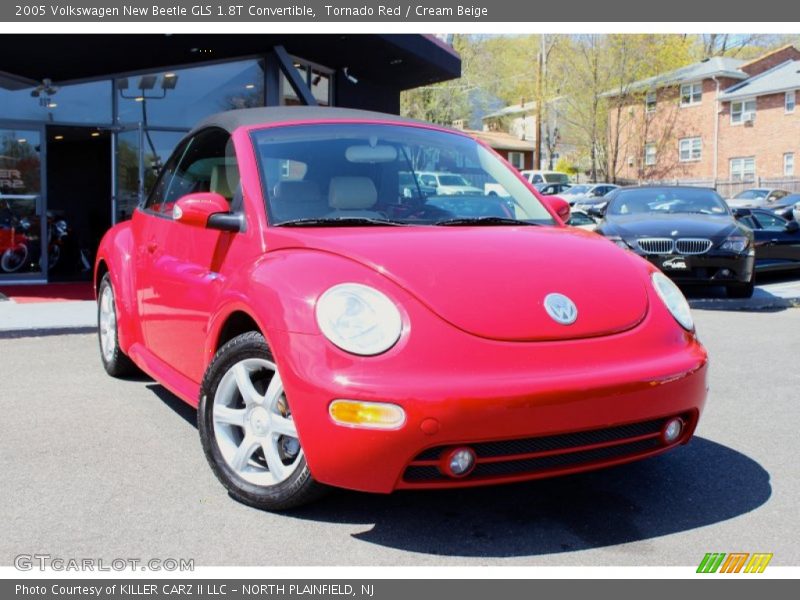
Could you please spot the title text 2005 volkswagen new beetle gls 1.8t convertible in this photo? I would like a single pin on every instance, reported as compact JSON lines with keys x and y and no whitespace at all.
{"x":334,"y":330}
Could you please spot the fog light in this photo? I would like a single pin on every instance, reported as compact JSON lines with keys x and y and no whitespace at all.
{"x":672,"y":430}
{"x":370,"y":415}
{"x":459,"y":462}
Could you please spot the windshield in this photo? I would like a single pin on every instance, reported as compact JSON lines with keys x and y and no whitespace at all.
{"x":667,"y":201}
{"x":752,"y":195}
{"x":352,"y":174}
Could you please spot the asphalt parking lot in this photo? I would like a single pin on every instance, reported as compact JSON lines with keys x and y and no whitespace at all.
{"x":97,"y":467}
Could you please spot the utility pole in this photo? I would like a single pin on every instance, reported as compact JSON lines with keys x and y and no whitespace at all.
{"x":541,"y":104}
{"x":537,"y":148}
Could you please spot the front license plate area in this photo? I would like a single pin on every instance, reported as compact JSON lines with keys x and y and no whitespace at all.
{"x":674,"y":263}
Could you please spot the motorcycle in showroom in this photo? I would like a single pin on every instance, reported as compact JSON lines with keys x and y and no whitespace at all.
{"x":20,"y":247}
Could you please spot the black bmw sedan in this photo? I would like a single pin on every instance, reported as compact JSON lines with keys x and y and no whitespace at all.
{"x":687,"y":232}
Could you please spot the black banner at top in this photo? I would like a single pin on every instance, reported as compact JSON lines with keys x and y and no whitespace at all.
{"x":397,"y":11}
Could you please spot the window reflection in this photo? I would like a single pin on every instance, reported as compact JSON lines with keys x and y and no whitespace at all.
{"x":318,"y":82}
{"x":182,"y":97}
{"x":158,"y":146}
{"x":76,"y":103}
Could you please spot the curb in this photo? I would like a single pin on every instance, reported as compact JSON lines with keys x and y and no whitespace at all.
{"x":750,"y":304}
{"x":11,"y":334}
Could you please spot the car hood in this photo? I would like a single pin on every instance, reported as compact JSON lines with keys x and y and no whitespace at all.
{"x":673,"y":225}
{"x":492,"y":281}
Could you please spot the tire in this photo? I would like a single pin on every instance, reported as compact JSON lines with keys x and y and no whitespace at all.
{"x":742,"y":290}
{"x":115,"y":362}
{"x":249,"y":437}
{"x":13,"y":258}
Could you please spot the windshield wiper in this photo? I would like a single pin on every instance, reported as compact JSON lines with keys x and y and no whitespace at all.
{"x":483,"y":221}
{"x":339,"y":222}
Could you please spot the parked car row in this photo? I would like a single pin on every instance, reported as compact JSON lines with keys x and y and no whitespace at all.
{"x":690,"y":233}
{"x":696,"y":237}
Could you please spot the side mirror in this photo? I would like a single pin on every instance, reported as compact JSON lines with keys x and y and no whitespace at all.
{"x":792,"y":227}
{"x":206,"y":209}
{"x":559,"y":206}
{"x":596,"y":212}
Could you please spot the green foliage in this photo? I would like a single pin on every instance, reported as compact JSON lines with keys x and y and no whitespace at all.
{"x":565,"y":165}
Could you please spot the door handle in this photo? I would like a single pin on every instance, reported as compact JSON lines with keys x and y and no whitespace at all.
{"x":152,"y":247}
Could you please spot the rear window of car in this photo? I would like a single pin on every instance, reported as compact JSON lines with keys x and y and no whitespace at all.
{"x":556,"y":177}
{"x":667,"y":201}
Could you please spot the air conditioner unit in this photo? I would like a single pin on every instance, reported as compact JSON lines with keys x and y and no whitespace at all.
{"x":748,"y":118}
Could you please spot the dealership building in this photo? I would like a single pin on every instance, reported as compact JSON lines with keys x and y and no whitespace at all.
{"x":86,"y":121}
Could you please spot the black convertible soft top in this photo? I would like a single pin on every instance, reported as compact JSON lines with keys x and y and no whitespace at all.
{"x":245,"y":117}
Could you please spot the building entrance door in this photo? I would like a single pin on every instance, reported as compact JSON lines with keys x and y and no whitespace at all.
{"x":79,"y":196}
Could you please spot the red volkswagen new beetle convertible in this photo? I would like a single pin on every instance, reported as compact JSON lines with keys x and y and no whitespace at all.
{"x":338,"y":324}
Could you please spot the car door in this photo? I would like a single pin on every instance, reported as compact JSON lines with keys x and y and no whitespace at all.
{"x":149,"y":225}
{"x":190,"y":264}
{"x":781,"y":241}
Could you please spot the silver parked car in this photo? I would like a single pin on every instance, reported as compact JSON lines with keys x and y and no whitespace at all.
{"x":756,"y":198}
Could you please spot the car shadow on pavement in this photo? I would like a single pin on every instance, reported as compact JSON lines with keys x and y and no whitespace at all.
{"x":178,"y":406}
{"x":694,"y":486}
{"x":763,"y":300}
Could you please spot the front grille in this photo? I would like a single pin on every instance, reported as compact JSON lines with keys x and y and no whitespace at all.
{"x":693,"y":245}
{"x":539,"y":455}
{"x":668,"y":245}
{"x":656,"y":245}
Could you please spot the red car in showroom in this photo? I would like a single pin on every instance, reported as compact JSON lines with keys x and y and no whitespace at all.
{"x":332,"y":331}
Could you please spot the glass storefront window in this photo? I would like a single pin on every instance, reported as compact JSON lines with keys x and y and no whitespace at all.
{"x":156,"y":149}
{"x":182,"y":97}
{"x":76,"y":103}
{"x":320,"y":87}
{"x":20,"y":203}
{"x":318,"y":82}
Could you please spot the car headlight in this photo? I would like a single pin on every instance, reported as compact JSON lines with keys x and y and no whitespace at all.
{"x":359,"y":319}
{"x":620,"y":242}
{"x":674,"y":300}
{"x":735,"y":244}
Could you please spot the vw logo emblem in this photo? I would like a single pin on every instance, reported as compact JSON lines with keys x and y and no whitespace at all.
{"x":560,"y":308}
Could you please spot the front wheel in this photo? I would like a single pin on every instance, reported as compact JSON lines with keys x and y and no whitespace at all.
{"x":13,"y":258}
{"x":247,"y":429}
{"x":115,"y":362}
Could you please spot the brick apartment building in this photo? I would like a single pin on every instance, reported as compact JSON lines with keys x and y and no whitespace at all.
{"x":719,"y":122}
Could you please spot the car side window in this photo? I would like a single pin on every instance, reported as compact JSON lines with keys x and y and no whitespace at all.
{"x":777,"y":195}
{"x":750,"y":222}
{"x":537,"y":179}
{"x":206,"y":164}
{"x":154,"y":201}
{"x":770,"y":222}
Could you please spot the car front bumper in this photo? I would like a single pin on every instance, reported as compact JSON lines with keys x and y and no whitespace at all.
{"x":715,"y":268}
{"x":529,"y":410}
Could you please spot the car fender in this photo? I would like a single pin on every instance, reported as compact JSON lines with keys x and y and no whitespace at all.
{"x":117,"y":252}
{"x":280,"y":289}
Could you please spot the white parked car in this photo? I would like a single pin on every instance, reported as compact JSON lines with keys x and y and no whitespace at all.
{"x":586,"y":191}
{"x":448,"y":184}
{"x":545,"y":177}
